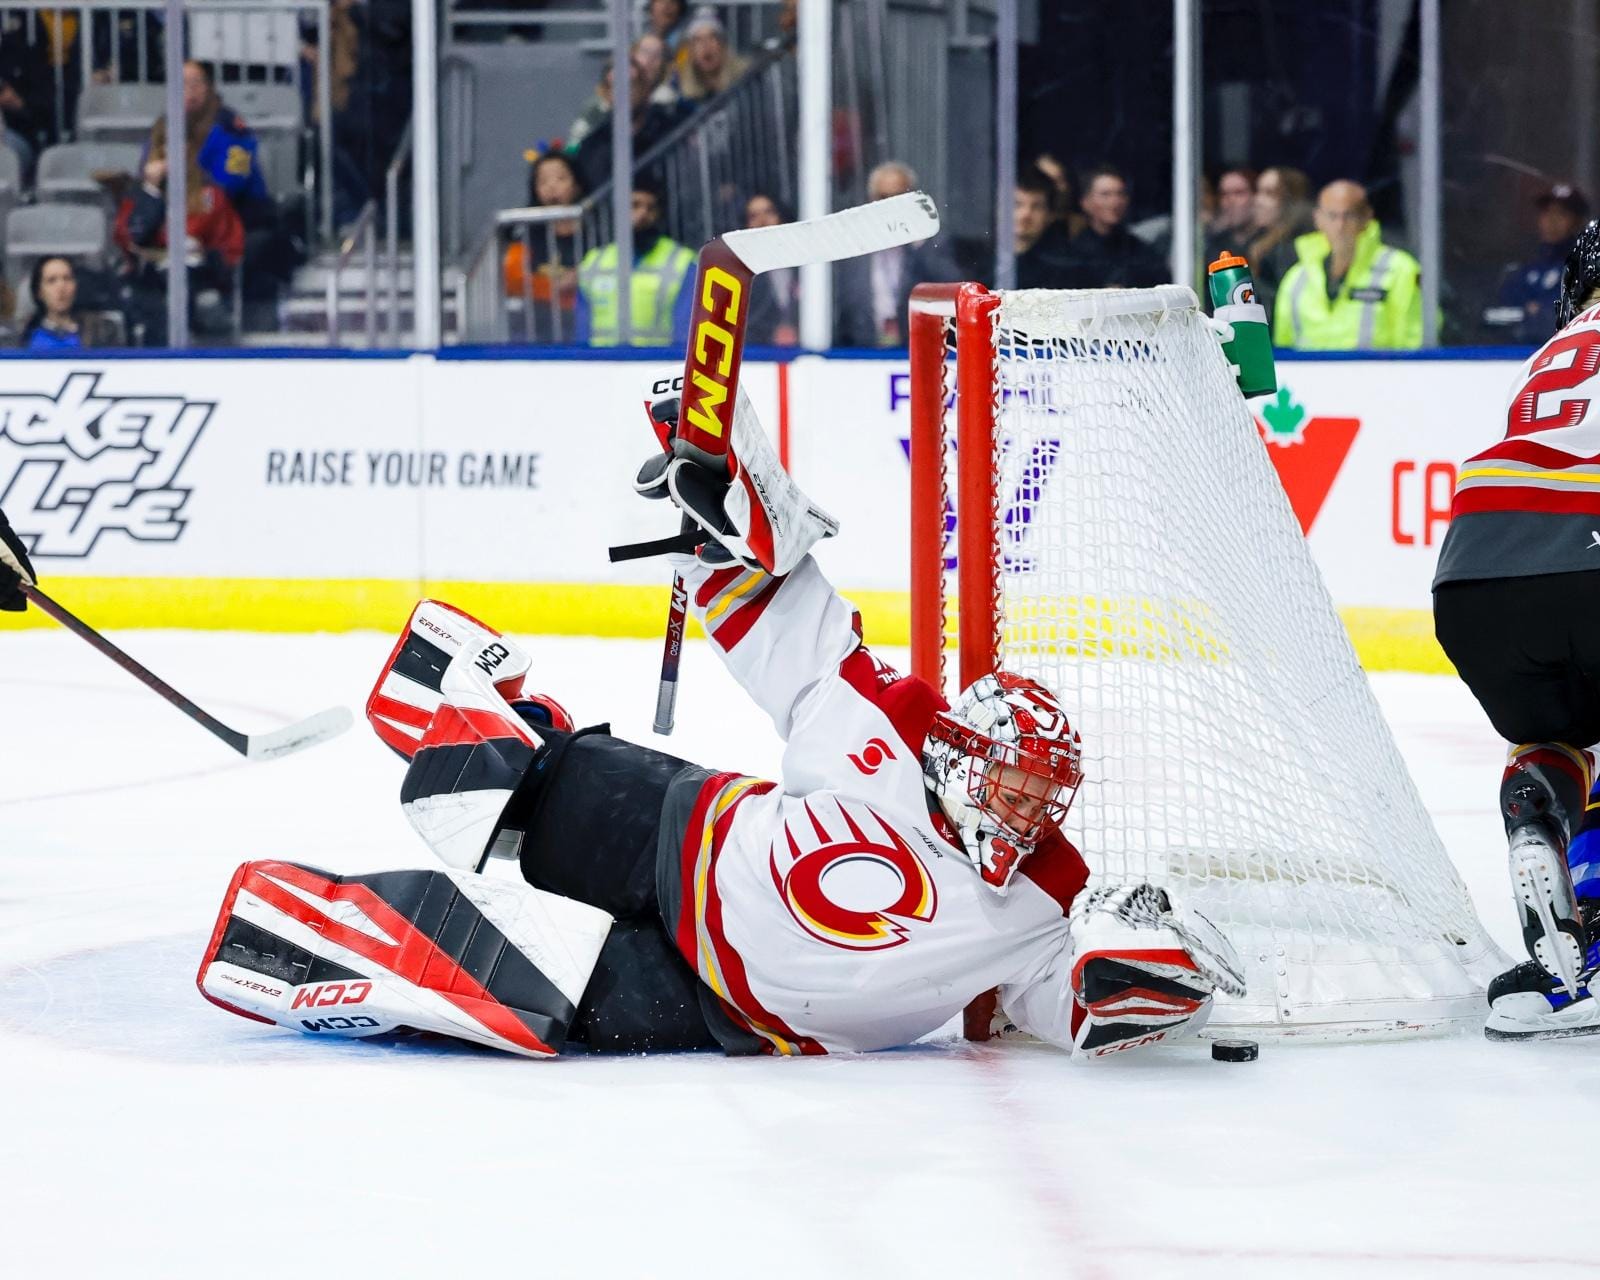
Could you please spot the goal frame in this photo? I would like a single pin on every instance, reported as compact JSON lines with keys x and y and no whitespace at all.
{"x":945,"y":318}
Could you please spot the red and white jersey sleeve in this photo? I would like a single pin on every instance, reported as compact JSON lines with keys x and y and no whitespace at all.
{"x":1549,"y":460}
{"x":833,"y":912}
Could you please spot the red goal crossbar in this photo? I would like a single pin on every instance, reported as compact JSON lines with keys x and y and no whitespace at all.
{"x":966,"y":313}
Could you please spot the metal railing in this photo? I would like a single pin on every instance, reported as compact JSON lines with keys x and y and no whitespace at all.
{"x":739,"y":143}
{"x":482,"y":304}
{"x":363,"y":231}
{"x":391,"y":213}
{"x":263,"y":33}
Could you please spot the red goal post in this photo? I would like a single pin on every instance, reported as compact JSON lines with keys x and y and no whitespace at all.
{"x":1121,"y":535}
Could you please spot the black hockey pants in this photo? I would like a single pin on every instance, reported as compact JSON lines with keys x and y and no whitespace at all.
{"x":1529,"y":649}
{"x":590,"y":808}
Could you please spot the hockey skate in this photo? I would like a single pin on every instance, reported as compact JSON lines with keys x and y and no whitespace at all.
{"x":1528,"y":1003}
{"x":1552,"y":927}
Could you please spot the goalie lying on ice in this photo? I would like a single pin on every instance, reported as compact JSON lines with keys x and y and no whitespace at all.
{"x":911,"y":859}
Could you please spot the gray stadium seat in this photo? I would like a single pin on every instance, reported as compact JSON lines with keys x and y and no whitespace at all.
{"x":79,"y":230}
{"x":119,"y":112}
{"x":66,"y":172}
{"x":10,"y":186}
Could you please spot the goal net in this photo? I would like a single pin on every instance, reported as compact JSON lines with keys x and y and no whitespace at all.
{"x":1123,"y":537}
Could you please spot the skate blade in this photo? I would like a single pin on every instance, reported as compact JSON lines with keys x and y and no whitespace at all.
{"x":1544,"y":1033}
{"x":1537,"y":881}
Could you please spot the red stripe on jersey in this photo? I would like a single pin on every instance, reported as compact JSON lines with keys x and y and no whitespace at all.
{"x":1057,"y":868}
{"x":1534,"y":454}
{"x":412,"y":956}
{"x":1524,"y":497}
{"x":744,"y":616}
{"x":910,"y":702}
{"x":715,"y":584}
{"x":743,"y":1000}
{"x":688,"y":858}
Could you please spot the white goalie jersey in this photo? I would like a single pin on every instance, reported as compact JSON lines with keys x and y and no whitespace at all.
{"x":834,"y":912}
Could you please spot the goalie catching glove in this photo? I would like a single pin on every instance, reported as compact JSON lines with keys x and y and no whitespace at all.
{"x":757,"y":515}
{"x":1145,"y":969}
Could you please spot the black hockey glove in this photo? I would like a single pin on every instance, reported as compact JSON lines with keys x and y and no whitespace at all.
{"x":696,"y":491}
{"x":15,"y":569}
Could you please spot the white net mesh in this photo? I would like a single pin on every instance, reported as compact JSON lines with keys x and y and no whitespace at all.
{"x":1153,"y":574}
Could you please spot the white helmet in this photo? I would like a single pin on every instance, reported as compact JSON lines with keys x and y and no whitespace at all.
{"x":1005,"y":765}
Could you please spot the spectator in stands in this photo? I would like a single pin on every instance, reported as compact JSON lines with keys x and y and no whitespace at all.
{"x":871,"y":294}
{"x":1040,"y":241}
{"x":712,"y":67}
{"x":58,"y":323}
{"x":25,"y":98}
{"x":666,"y":22}
{"x":1233,"y":224}
{"x":222,"y":145}
{"x":651,"y":123}
{"x":596,"y":111}
{"x":551,"y":284}
{"x":651,"y":53}
{"x":1348,"y":291}
{"x":213,"y":248}
{"x":774,"y":295}
{"x":1105,"y":253}
{"x":1063,"y":201}
{"x":660,"y":299}
{"x":1525,"y":309}
{"x":1282,"y":213}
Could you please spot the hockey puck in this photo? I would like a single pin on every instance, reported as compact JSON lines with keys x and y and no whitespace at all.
{"x":1235,"y":1050}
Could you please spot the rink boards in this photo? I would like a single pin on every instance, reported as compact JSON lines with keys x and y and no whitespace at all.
{"x":327,"y":494}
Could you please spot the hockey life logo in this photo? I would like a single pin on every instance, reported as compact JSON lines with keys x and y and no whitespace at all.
{"x":1019,"y":506}
{"x":1308,"y":452}
{"x":859,"y":893}
{"x":78,"y":464}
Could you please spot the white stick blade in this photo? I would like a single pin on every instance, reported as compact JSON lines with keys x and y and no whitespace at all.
{"x":867,"y":228}
{"x":297,"y":737}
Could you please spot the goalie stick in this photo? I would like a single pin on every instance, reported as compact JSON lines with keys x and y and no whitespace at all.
{"x":252,"y":746}
{"x":728,"y":265}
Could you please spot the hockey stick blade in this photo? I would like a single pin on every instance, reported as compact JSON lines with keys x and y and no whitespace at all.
{"x":867,"y":228}
{"x":297,"y":737}
{"x":253,"y":746}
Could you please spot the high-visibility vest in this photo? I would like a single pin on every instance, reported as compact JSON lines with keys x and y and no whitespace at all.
{"x":657,"y":278}
{"x":1378,"y":306}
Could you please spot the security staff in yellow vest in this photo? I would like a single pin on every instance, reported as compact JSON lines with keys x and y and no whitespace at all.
{"x":1348,"y":291}
{"x":662,"y":295}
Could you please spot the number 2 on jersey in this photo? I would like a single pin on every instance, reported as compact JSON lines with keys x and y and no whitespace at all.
{"x":1544,"y":379}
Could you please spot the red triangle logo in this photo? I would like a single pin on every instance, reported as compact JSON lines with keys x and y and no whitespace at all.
{"x":1308,"y":466}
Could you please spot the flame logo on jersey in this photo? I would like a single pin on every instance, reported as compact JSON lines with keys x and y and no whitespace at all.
{"x":804,"y":885}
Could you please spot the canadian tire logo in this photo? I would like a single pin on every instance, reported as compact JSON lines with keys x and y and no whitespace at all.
{"x":78,"y":464}
{"x":1307,"y":451}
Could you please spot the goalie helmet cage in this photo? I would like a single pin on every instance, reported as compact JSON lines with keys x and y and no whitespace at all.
{"x":1123,"y":537}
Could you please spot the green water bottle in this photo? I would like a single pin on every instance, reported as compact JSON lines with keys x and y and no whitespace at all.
{"x":1233,"y":299}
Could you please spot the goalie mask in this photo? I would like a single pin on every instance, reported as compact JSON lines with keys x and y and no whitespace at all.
{"x":1004,"y":764}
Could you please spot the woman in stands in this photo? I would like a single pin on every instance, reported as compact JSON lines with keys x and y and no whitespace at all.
{"x":1282,"y":212}
{"x":549,"y":288}
{"x":213,"y":249}
{"x":58,"y":324}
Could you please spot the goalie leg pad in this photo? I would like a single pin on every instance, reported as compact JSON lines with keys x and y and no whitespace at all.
{"x":408,"y":692}
{"x":494,"y":962}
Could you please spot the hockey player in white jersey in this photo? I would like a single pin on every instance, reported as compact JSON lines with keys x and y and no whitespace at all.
{"x":1517,"y":609}
{"x":910,"y":858}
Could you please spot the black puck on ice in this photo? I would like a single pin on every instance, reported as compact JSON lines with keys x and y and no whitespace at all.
{"x":1235,"y":1050}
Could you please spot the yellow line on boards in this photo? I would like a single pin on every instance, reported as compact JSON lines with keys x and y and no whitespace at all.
{"x":1385,"y":639}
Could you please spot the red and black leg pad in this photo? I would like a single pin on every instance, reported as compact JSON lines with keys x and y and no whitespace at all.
{"x":408,"y":689}
{"x":495,"y":962}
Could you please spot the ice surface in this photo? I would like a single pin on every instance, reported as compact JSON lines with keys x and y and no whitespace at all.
{"x":143,"y":1132}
